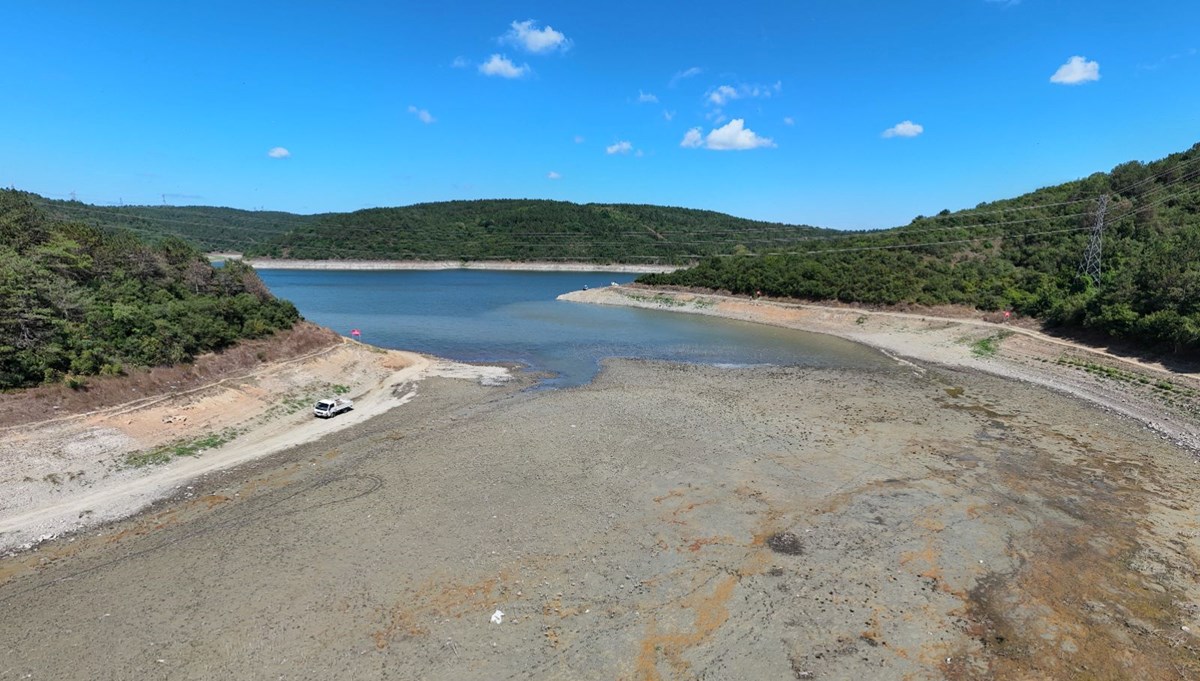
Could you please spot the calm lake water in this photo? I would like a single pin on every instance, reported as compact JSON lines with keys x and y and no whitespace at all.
{"x":485,"y":316}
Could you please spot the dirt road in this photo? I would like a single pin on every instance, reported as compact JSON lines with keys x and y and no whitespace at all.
{"x":665,"y":522}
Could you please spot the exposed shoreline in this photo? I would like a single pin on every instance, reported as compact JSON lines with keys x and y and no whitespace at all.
{"x":1165,"y":401}
{"x":435,"y":265}
{"x":66,"y":473}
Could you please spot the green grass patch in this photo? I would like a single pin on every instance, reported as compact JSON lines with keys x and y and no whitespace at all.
{"x":658,"y":299}
{"x":988,"y":347}
{"x":165,"y":453}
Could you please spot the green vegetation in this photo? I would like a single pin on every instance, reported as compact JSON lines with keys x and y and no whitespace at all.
{"x":210,"y":228}
{"x":988,"y":347}
{"x":453,"y":230}
{"x":529,"y":230}
{"x":164,"y":454}
{"x":77,"y":301}
{"x":1021,"y":254}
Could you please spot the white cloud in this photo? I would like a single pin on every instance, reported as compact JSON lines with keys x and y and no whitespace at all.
{"x":788,"y":120}
{"x":733,"y":136}
{"x":692,"y":139}
{"x":685,"y":74}
{"x":622,"y":147}
{"x":647,"y":98}
{"x":668,"y":115}
{"x":553,"y":176}
{"x":579,"y":139}
{"x":279,"y":152}
{"x":904,"y":129}
{"x":499,"y":65}
{"x":422,"y":114}
{"x":460,"y":63}
{"x":721,"y":94}
{"x":527,"y":36}
{"x":1076,"y":71}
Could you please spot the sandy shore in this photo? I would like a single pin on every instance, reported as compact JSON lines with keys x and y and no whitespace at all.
{"x":283,"y":264}
{"x":1164,"y":400}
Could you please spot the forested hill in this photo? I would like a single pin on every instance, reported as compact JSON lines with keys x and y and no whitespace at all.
{"x":208,"y":227}
{"x":511,"y":229}
{"x":518,"y":229}
{"x":76,"y":300}
{"x":1023,"y":254}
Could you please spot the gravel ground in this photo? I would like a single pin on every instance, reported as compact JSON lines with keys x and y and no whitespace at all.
{"x":665,"y":522}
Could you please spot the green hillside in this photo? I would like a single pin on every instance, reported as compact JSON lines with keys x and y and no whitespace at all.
{"x":76,"y":300}
{"x":210,"y":228}
{"x":1022,"y":254}
{"x":452,"y":230}
{"x":528,"y":230}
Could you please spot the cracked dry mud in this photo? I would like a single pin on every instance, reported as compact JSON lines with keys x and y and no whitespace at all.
{"x":937,"y":525}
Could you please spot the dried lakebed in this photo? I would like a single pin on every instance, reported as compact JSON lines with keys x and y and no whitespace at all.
{"x":665,"y":521}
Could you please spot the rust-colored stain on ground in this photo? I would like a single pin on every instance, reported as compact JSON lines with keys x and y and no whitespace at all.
{"x":710,"y":611}
{"x":214,"y":500}
{"x":433,"y":600}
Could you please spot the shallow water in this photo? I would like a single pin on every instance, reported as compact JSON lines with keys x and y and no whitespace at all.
{"x":495,"y":316}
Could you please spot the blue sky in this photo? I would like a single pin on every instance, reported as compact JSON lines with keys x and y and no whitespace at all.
{"x":836,"y":113}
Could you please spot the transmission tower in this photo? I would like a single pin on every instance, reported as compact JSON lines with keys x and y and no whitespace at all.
{"x":1091,"y":258}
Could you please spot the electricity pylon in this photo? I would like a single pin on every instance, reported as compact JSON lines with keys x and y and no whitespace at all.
{"x":1091,"y":258}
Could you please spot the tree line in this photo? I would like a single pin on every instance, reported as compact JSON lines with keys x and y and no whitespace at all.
{"x":77,"y":300}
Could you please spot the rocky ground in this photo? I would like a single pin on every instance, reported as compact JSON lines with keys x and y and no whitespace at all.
{"x":665,"y":522}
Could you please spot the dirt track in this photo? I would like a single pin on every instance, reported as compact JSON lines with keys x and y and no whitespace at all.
{"x":664,"y":522}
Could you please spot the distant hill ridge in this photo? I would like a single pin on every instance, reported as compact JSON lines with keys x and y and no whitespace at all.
{"x":496,"y":229}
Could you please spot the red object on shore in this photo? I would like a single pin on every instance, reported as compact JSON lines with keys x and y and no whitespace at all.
{"x":355,"y":332}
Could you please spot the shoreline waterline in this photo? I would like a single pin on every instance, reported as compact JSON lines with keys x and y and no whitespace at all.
{"x":997,"y":349}
{"x":437,"y":265}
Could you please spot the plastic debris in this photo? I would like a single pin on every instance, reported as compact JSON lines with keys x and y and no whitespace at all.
{"x":497,"y":617}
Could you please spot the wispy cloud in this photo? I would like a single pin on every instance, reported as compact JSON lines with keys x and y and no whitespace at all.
{"x":668,"y":115}
{"x":722,"y":94}
{"x":646,"y":98}
{"x":788,"y":120}
{"x":579,"y":139}
{"x":1154,"y":66}
{"x":502,"y":67}
{"x":684,"y":75}
{"x":527,"y":36}
{"x":460,"y":62}
{"x":733,"y":136}
{"x":622,"y":147}
{"x":904,"y":129}
{"x":1003,"y":3}
{"x":422,"y":114}
{"x":278,"y":152}
{"x":552,"y":175}
{"x":1076,"y":71}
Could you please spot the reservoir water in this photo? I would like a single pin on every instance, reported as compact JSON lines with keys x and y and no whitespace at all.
{"x":503,"y":316}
